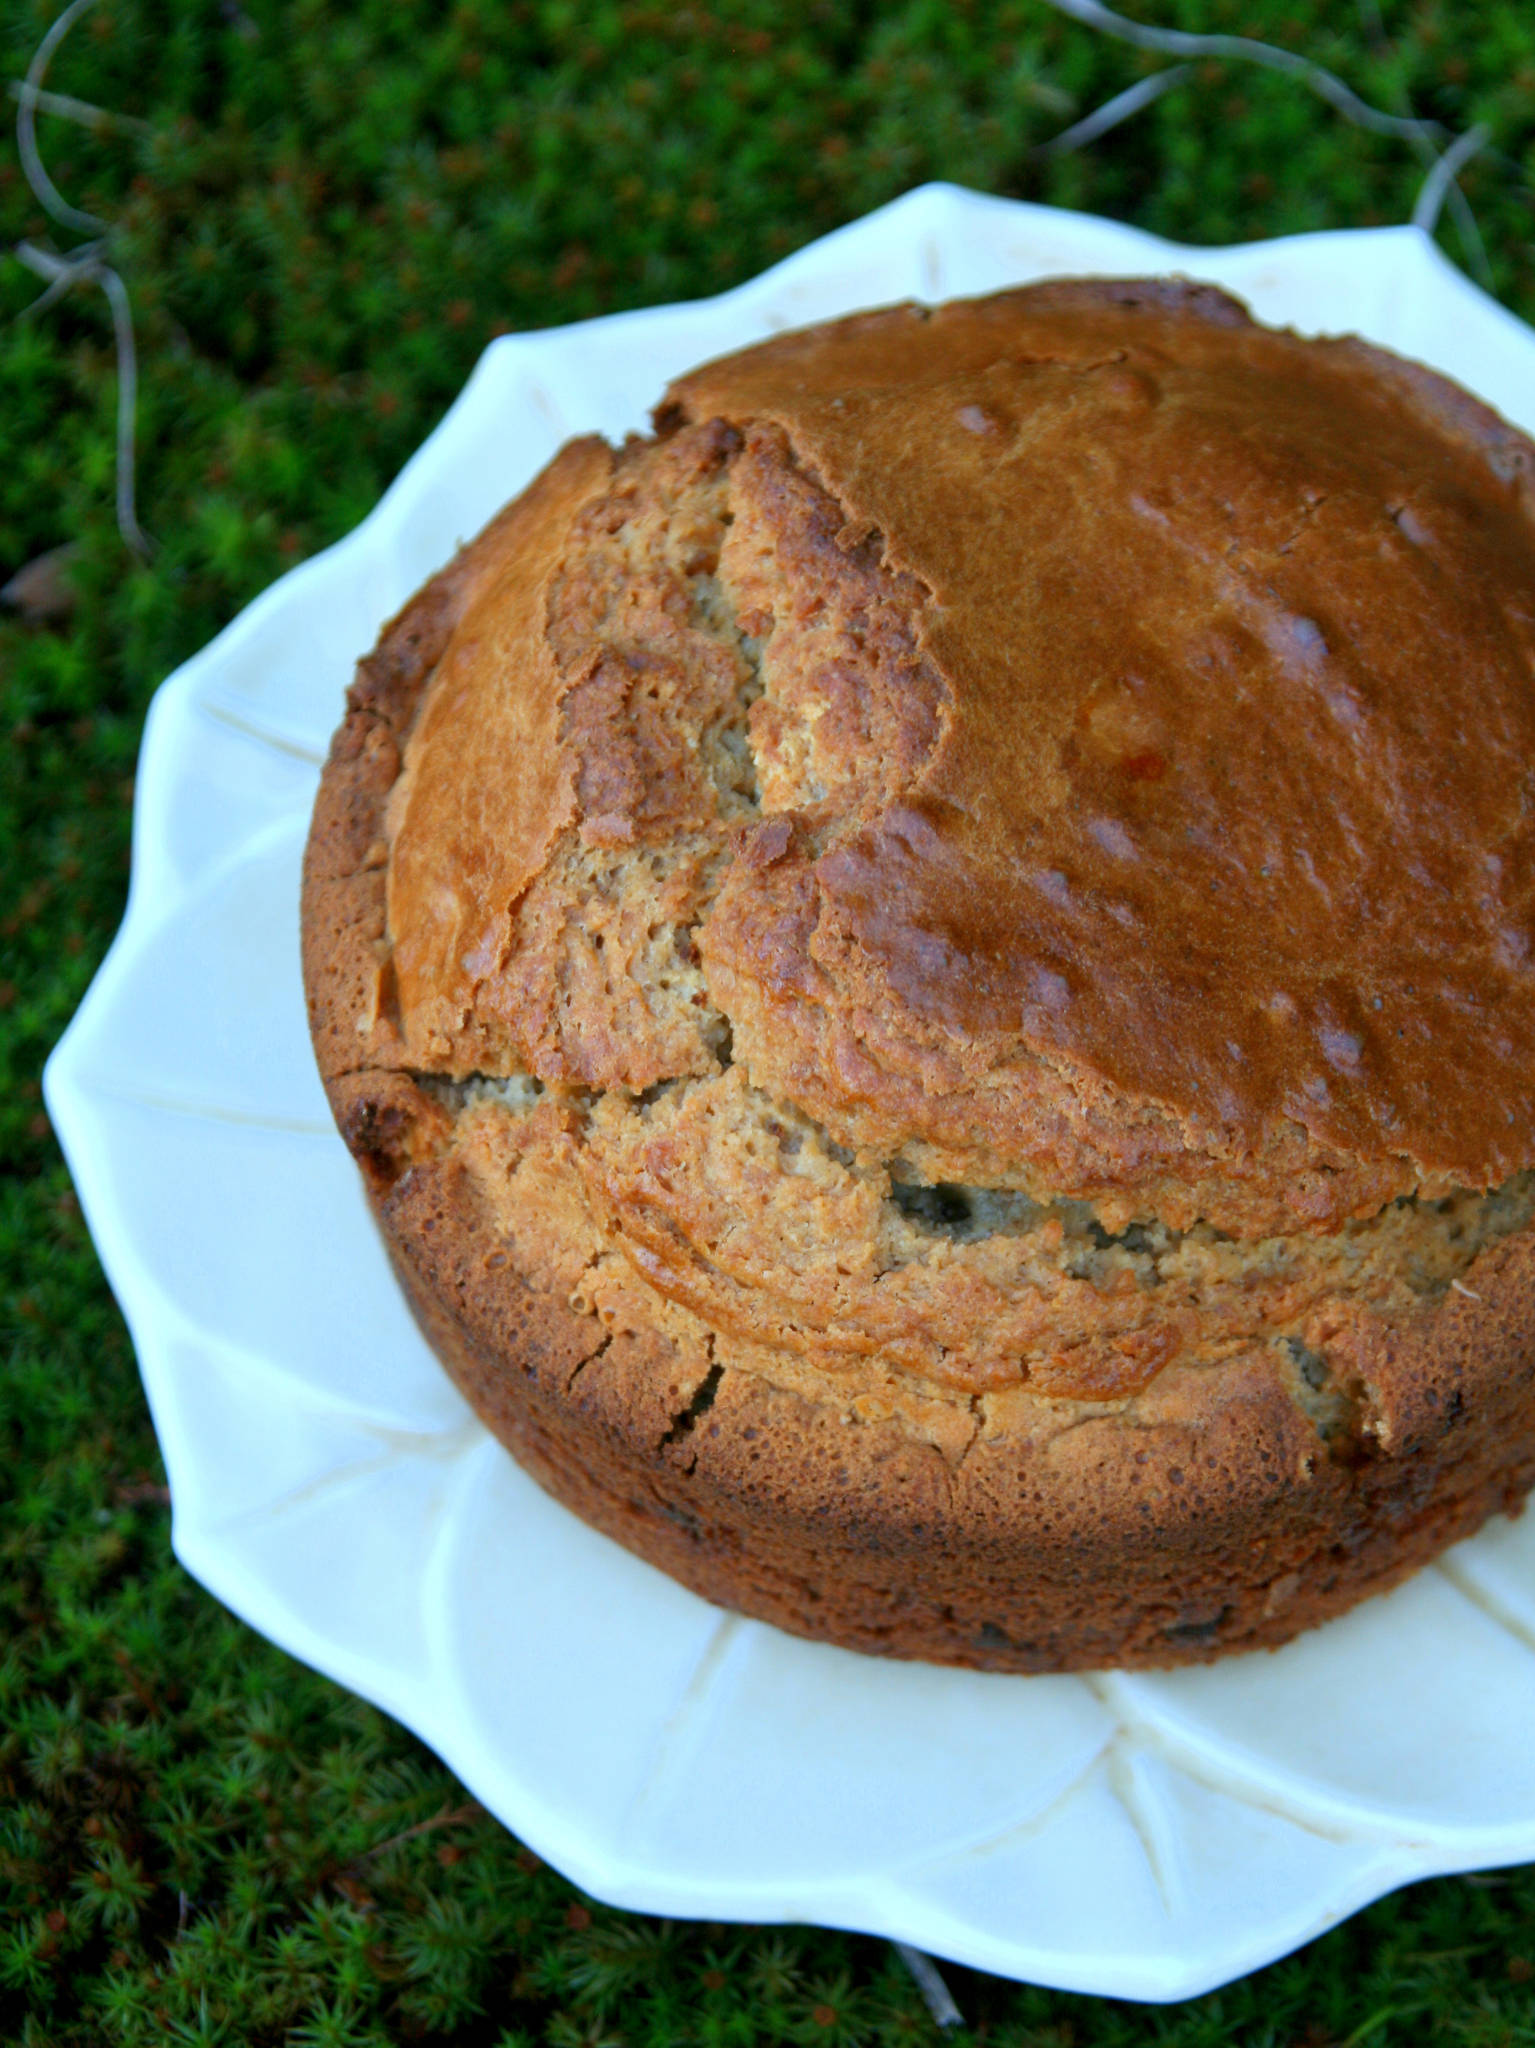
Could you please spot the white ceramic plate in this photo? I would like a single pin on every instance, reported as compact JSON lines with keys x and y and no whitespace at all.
{"x":1148,"y":1837}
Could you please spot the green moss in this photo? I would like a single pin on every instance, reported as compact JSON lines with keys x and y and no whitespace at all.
{"x":334,"y":210}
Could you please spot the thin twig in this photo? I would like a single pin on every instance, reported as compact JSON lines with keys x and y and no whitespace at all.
{"x":936,"y":1995}
{"x":1470,"y":236}
{"x":1436,"y":186}
{"x":1460,"y":207}
{"x":61,"y":271}
{"x":460,"y":1814}
{"x":68,"y":108}
{"x":1425,"y":136}
{"x":1177,"y":42}
{"x":1460,"y":212}
{"x":84,"y":266}
{"x":127,"y":403}
{"x":1112,"y":112}
{"x":48,"y":194}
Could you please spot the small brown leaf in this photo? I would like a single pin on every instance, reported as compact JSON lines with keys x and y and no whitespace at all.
{"x":44,"y":592}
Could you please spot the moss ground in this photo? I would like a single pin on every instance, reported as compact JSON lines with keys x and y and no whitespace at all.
{"x":328,"y":214}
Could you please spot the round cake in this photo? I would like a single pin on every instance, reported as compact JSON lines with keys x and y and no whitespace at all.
{"x":930,"y":971}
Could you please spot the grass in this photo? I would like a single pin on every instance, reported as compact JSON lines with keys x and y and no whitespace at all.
{"x":332,"y":210}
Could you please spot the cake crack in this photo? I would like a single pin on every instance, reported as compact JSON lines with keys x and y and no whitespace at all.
{"x":685,"y":1421}
{"x":705,"y":1186}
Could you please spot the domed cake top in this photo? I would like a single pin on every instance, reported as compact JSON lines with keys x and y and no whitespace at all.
{"x":1078,"y":740}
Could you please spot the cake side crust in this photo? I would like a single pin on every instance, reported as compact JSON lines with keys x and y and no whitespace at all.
{"x":1207,"y":1519}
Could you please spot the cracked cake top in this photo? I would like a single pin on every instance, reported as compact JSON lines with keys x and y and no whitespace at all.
{"x":1076,"y":743}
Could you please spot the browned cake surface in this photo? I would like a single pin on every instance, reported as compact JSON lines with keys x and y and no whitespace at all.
{"x":930,"y":970}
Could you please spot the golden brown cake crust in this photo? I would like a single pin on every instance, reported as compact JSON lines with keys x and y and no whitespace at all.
{"x":1205,"y":822}
{"x":929,"y":973}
